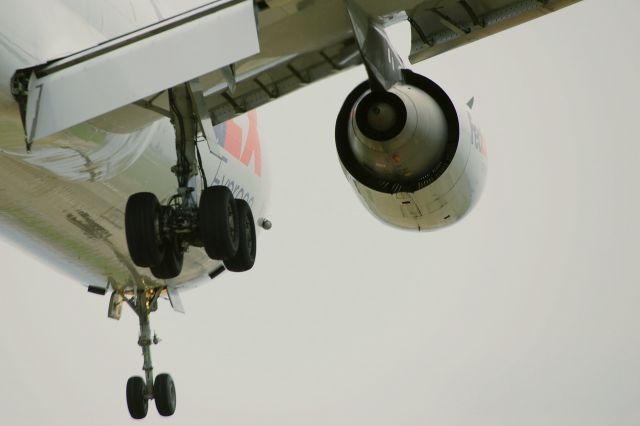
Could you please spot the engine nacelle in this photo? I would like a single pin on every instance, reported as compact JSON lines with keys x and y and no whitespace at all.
{"x":415,"y":159}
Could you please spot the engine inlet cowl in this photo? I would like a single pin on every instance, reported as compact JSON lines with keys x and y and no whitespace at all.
{"x":398,"y":135}
{"x":414,"y":159}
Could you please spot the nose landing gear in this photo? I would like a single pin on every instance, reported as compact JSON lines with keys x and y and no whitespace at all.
{"x":141,"y":390}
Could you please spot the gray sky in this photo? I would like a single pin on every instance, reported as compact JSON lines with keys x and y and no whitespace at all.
{"x":525,"y":313}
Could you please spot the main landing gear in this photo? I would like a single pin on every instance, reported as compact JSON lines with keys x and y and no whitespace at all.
{"x":159,"y":235}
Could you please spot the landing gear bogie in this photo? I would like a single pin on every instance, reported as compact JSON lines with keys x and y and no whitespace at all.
{"x":159,"y":235}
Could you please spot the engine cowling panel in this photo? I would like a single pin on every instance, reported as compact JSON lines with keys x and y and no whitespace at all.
{"x":415,"y":159}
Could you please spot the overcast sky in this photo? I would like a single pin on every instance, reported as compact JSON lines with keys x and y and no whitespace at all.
{"x":525,"y":313}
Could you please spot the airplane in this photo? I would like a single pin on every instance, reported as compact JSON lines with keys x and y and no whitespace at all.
{"x":104,"y":107}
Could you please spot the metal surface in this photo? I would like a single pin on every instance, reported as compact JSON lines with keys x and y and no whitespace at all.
{"x":430,"y":200}
{"x":260,"y":86}
{"x":115,"y":305}
{"x":65,"y":93}
{"x":302,"y":42}
{"x":143,"y":303}
{"x":382,"y":62}
{"x":185,"y":123}
{"x":175,"y":299}
{"x":438,"y":28}
{"x":417,"y":148}
{"x":442,"y":203}
{"x":64,"y":202}
{"x":292,"y":31}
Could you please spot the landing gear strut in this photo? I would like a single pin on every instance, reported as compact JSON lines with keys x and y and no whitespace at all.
{"x":141,"y":390}
{"x":159,"y":235}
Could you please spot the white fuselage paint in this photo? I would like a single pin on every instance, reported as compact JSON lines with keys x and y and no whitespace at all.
{"x":64,"y":202}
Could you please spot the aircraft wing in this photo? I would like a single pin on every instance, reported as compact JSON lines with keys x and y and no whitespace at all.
{"x":245,"y":54}
{"x":444,"y":25}
{"x":303,"y":41}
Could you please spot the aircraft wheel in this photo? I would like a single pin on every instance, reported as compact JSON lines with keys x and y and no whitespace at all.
{"x":218,"y":219}
{"x":171,"y":264}
{"x":246,"y":254}
{"x":142,"y":228}
{"x":136,"y":402}
{"x":164,"y":391}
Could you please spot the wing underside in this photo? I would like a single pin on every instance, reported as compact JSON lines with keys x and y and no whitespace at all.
{"x":436,"y":27}
{"x":451,"y":24}
{"x":124,"y":70}
{"x":245,"y":61}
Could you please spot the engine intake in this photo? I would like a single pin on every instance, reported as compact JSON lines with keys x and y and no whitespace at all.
{"x":416,"y":160}
{"x":399,"y":135}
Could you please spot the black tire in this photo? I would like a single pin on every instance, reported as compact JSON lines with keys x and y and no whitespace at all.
{"x":170,"y":266}
{"x":136,"y":402}
{"x":246,"y":254}
{"x":164,"y":392}
{"x":218,"y":220}
{"x":142,"y":228}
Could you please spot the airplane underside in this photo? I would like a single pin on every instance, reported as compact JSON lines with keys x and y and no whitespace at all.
{"x":132,"y":189}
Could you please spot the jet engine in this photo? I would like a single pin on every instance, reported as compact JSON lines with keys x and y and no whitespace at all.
{"x":415,"y":159}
